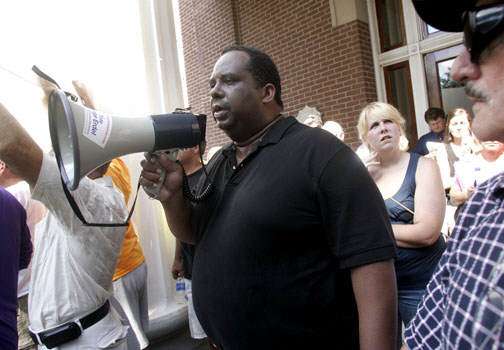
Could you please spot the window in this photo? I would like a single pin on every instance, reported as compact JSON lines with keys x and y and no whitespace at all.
{"x":406,"y":76}
{"x":399,"y":94}
{"x":390,"y":24}
{"x":442,"y":91}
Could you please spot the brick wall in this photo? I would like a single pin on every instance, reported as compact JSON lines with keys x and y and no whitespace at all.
{"x":321,"y":66}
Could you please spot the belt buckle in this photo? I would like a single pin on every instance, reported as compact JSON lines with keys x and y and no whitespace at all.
{"x":60,"y":335}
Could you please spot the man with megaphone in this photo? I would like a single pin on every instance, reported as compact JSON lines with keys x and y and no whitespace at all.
{"x":73,"y":264}
{"x":293,"y":246}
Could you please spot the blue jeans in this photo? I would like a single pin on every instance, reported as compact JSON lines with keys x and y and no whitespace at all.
{"x":408,"y":304}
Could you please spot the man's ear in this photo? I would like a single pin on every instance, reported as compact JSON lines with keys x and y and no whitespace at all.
{"x":269,"y":91}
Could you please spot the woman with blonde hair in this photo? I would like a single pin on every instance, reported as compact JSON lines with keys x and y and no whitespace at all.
{"x":413,"y":193}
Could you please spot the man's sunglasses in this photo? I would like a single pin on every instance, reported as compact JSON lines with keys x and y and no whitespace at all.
{"x":482,"y":26}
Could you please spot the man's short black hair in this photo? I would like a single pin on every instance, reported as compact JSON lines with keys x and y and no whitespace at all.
{"x":262,"y":68}
{"x":434,"y":113}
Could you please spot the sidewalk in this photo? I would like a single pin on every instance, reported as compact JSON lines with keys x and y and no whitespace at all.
{"x":180,"y":341}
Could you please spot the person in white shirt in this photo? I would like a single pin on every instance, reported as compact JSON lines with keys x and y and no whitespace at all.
{"x":334,"y":128}
{"x":73,"y":264}
{"x":490,"y":161}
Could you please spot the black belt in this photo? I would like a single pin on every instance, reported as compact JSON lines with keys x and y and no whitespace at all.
{"x":70,"y":330}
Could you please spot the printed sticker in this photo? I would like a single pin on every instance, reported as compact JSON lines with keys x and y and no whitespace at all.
{"x":97,"y":127}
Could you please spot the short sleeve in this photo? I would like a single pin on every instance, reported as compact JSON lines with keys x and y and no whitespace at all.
{"x":354,"y":214}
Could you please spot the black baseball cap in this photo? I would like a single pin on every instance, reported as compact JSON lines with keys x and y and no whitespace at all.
{"x":434,"y":14}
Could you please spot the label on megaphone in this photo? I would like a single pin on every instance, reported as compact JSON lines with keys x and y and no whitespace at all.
{"x":97,"y":127}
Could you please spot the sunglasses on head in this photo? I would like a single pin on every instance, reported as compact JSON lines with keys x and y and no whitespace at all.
{"x":482,"y":26}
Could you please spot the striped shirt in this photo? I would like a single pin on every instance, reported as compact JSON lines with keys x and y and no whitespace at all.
{"x":463,"y":307}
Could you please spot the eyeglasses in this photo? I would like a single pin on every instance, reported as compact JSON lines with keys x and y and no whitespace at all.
{"x":482,"y":26}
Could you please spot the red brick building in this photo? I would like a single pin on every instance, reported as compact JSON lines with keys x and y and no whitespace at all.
{"x":334,"y":55}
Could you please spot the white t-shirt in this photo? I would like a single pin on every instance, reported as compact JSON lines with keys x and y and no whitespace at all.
{"x":485,"y":169}
{"x":73,"y":265}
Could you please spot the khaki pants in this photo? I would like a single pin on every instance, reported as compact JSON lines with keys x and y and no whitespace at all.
{"x":25,"y":342}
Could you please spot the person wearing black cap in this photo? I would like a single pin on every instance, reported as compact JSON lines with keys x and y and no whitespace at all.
{"x":463,"y":307}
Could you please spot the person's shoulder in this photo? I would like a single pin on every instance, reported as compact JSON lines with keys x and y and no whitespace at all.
{"x":426,"y":166}
{"x":6,"y":195}
{"x":316,"y":136}
{"x":8,"y":200}
{"x":426,"y":137}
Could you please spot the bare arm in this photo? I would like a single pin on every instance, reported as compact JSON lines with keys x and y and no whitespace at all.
{"x":177,"y":266}
{"x":429,"y":209}
{"x":176,"y":208}
{"x":84,"y":94}
{"x":375,"y":291}
{"x":18,"y":150}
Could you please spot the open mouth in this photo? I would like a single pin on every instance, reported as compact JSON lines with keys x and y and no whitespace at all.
{"x":218,"y":111}
{"x":386,"y":137}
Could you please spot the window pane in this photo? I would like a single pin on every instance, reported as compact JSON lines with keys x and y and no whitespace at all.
{"x":444,"y":92}
{"x":399,"y":94}
{"x":390,"y":24}
{"x":452,"y":92}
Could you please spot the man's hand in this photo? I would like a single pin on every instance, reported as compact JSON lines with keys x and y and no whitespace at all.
{"x":177,"y":269}
{"x":372,"y":162}
{"x":152,"y":175}
{"x":162,"y":179}
{"x":47,"y":88}
{"x":84,"y":94}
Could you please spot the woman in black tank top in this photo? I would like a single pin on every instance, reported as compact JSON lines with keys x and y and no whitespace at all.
{"x":413,"y":193}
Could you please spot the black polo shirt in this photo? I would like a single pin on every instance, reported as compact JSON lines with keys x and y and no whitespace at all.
{"x":278,"y":237}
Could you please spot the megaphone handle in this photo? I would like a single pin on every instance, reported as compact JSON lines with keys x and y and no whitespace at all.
{"x":155,"y":190}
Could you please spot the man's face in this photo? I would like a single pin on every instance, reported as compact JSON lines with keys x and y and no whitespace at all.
{"x":485,"y":87}
{"x":437,"y":125}
{"x":235,"y":97}
{"x":187,"y":155}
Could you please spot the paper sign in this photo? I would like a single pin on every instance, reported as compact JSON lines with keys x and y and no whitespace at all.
{"x":97,"y":127}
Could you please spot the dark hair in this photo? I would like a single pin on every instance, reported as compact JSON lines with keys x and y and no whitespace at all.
{"x":434,"y":113}
{"x":262,"y":68}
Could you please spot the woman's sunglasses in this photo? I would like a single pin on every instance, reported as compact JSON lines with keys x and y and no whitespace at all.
{"x":482,"y":26}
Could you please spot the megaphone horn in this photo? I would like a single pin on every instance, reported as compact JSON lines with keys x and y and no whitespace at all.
{"x":84,"y":139}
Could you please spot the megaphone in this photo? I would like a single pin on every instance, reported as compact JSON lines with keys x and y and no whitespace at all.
{"x":84,"y":139}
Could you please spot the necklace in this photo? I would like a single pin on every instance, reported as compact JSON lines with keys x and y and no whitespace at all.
{"x":257,"y":137}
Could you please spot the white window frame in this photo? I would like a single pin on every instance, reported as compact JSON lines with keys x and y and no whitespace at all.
{"x":413,"y":51}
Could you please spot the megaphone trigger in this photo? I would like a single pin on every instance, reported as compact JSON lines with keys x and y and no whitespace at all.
{"x":154,"y":190}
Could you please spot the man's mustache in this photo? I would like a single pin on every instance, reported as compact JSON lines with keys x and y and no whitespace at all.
{"x":474,"y":93}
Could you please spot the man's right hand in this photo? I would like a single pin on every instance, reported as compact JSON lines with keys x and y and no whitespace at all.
{"x":177,"y":269}
{"x":153,"y":166}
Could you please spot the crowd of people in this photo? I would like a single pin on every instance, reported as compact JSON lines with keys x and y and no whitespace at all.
{"x":286,"y":238}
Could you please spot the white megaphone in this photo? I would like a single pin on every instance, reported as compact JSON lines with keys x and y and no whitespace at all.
{"x":84,"y":139}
